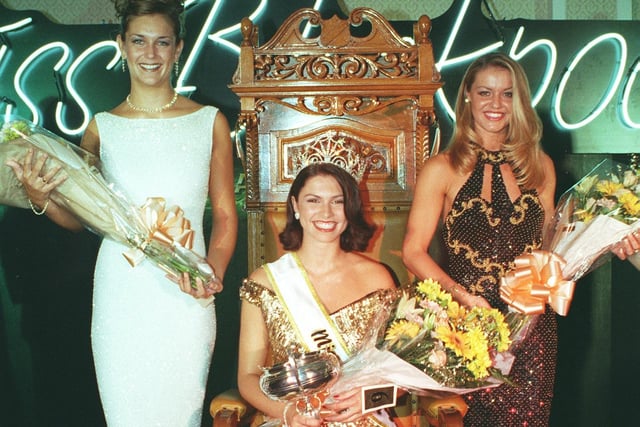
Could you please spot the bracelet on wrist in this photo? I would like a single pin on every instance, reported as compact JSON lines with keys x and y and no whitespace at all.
{"x":35,"y":210}
{"x":455,"y":290}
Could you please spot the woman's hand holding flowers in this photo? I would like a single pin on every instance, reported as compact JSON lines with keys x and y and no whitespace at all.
{"x":197,"y":289}
{"x":468,"y":299}
{"x":628,"y":246}
{"x":38,"y":182}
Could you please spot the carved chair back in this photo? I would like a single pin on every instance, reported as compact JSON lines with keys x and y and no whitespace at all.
{"x":320,"y":86}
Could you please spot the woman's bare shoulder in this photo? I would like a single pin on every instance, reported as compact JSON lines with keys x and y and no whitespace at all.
{"x":437,"y":173}
{"x":438,"y":165}
{"x":260,"y":276}
{"x":365,"y":267}
{"x":91,"y":138}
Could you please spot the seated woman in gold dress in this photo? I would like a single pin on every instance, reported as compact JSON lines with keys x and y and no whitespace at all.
{"x":322,"y":287}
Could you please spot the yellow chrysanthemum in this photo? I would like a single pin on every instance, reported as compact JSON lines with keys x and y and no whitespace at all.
{"x":630,"y":203}
{"x":479,"y":367}
{"x":452,"y":339}
{"x":430,"y":289}
{"x":476,"y":343}
{"x":456,"y":311}
{"x":608,"y":188}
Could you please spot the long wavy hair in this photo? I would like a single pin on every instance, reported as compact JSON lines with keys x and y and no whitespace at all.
{"x":126,"y":10}
{"x":358,"y":232}
{"x":522,"y":146}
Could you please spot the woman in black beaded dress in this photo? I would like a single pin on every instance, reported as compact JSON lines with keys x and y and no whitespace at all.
{"x":493,"y":188}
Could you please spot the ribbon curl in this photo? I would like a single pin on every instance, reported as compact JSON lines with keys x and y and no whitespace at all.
{"x":166,"y":226}
{"x":535,"y":281}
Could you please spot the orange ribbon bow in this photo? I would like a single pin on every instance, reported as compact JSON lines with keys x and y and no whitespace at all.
{"x":167,"y":226}
{"x":535,"y":281}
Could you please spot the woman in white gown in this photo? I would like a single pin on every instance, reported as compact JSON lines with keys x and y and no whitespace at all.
{"x":152,"y":340}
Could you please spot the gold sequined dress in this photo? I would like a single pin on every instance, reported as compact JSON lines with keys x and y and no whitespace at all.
{"x":353,"y":322}
{"x":482,"y":239}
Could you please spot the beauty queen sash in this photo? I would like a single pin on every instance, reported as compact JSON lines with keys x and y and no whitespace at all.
{"x":307,"y":315}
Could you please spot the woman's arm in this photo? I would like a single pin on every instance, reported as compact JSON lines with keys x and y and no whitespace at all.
{"x":39,"y":185}
{"x":224,"y":229}
{"x":253,"y":354}
{"x":426,"y":210}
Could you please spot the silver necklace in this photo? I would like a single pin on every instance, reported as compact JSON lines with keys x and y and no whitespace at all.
{"x":153,"y":110}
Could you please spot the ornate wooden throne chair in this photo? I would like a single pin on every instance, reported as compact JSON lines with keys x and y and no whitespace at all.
{"x":318,"y":86}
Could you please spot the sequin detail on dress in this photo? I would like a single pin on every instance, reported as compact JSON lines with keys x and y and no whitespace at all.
{"x":353,"y":322}
{"x":482,"y":238}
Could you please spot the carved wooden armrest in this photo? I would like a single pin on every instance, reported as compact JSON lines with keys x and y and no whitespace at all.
{"x":444,"y":412}
{"x":228,"y":408}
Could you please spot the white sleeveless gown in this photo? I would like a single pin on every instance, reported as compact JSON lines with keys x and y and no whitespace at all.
{"x":152,"y":344}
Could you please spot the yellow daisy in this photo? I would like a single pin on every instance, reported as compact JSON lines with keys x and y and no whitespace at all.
{"x":608,"y":188}
{"x":452,"y":339}
{"x":401,"y":331}
{"x":630,"y":203}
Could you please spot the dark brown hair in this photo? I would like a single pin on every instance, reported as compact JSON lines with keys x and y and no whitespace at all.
{"x":358,"y":232}
{"x":172,"y":9}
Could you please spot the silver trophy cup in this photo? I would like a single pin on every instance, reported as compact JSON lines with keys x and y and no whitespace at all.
{"x":300,"y":379}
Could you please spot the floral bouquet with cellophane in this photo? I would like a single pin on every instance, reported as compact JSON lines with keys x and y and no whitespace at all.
{"x":426,"y":342}
{"x":153,"y":231}
{"x":594,"y":214}
{"x":597,"y":212}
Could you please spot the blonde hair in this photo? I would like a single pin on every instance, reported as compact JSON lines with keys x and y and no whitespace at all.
{"x":522,"y":146}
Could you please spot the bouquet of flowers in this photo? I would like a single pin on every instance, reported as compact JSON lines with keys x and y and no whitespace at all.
{"x":594,"y":214}
{"x":430,"y":343}
{"x":153,"y":231}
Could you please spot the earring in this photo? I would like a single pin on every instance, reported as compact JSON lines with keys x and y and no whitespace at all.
{"x":297,"y":215}
{"x":176,"y":68}
{"x":466,"y":100}
{"x":124,"y":64}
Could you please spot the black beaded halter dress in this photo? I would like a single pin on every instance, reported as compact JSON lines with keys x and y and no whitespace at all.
{"x":482,"y":239}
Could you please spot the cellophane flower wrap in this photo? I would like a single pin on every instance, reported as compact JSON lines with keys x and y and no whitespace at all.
{"x":594,"y":214}
{"x":154,"y":231}
{"x":428,"y":343}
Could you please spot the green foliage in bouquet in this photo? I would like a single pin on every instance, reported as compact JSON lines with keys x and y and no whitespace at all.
{"x":615,"y":193}
{"x":15,"y":131}
{"x":454,"y":345}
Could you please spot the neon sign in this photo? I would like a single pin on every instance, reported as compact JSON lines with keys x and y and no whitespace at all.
{"x":558,"y":71}
{"x":551,"y":50}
